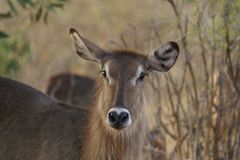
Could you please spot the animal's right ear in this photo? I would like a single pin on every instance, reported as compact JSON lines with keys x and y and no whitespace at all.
{"x":85,"y":48}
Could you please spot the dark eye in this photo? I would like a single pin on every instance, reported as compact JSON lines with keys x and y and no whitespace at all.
{"x":104,"y":74}
{"x":141,"y":77}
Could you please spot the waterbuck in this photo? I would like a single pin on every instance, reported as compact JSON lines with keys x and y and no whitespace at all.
{"x":33,"y":126}
{"x":71,"y":89}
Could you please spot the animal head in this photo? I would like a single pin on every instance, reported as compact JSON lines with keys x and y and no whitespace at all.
{"x":122,"y":72}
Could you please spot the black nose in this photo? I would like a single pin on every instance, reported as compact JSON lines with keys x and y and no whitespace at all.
{"x":118,"y":120}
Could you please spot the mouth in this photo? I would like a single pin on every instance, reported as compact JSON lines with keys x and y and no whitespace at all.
{"x":118,"y":126}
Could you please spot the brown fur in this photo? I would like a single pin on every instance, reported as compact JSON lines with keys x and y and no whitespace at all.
{"x":71,"y":89}
{"x":103,"y":142}
{"x":33,"y":126}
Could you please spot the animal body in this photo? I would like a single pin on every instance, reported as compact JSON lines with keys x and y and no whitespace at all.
{"x":71,"y":89}
{"x":36,"y":127}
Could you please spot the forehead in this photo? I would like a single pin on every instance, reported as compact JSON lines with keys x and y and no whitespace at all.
{"x":125,"y":61}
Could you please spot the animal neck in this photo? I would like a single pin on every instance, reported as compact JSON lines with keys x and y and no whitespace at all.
{"x":103,"y":144}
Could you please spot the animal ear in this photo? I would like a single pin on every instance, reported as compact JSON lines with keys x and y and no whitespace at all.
{"x":164,"y":58}
{"x":85,"y":48}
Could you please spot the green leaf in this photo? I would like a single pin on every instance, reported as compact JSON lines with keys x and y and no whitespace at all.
{"x":3,"y":35}
{"x":6,"y":15}
{"x":12,"y":65}
{"x":23,"y":3}
{"x":12,"y":7}
{"x":45,"y":17}
{"x":39,"y":13}
{"x":52,"y":6}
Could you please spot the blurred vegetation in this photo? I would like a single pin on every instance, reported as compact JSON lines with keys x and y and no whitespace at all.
{"x":203,"y":114}
{"x":16,"y":48}
{"x":13,"y":51}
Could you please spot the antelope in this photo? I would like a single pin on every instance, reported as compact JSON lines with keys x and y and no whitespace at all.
{"x":34,"y":126}
{"x":71,"y":89}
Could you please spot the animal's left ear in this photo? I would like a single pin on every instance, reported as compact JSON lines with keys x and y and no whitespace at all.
{"x":164,"y":58}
